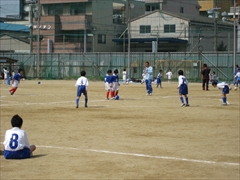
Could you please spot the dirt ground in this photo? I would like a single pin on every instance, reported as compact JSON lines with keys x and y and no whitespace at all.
{"x":135,"y":137}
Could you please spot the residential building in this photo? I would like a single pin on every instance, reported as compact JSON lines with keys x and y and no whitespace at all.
{"x":221,"y":5}
{"x":67,"y":26}
{"x":14,"y":38}
{"x":175,"y":6}
{"x":177,"y":32}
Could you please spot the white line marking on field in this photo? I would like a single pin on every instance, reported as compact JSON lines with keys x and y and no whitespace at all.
{"x":143,"y":155}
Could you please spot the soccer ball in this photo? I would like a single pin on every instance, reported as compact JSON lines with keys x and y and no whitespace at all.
{"x":235,"y":88}
{"x":116,"y":97}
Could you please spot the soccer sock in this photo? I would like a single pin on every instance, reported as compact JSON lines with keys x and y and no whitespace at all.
{"x":13,"y":90}
{"x":86,"y":100}
{"x":107,"y":94}
{"x":224,"y":98}
{"x":187,"y":100}
{"x":181,"y":98}
{"x":112,"y":94}
{"x":116,"y":93}
{"x":77,"y":101}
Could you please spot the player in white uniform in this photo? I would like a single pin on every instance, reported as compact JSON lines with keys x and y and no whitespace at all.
{"x":5,"y":71}
{"x":225,"y":90}
{"x":183,"y":88}
{"x":169,"y":74}
{"x":124,"y":76}
{"x":82,"y":84}
{"x":16,"y":144}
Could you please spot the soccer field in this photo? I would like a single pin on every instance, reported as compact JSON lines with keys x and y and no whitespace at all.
{"x":135,"y":137}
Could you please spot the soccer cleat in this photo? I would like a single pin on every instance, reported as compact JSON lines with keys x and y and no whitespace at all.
{"x":150,"y":94}
{"x":187,"y":104}
{"x":107,"y":98}
{"x":224,"y":104}
{"x":182,"y":105}
{"x":77,"y":106}
{"x":10,"y":92}
{"x":86,"y":105}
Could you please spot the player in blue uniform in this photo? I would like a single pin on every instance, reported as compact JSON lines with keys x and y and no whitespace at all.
{"x":114,"y":84}
{"x":235,"y":73}
{"x":183,"y":88}
{"x":237,"y":79}
{"x":15,"y":82}
{"x":225,"y":90}
{"x":107,"y":81}
{"x":148,"y":71}
{"x":82,"y":84}
{"x":16,"y":144}
{"x":159,"y":82}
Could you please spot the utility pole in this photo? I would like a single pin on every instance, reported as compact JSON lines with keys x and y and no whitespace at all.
{"x":31,"y":24}
{"x":129,"y":37}
{"x":38,"y":41}
{"x":234,"y":37}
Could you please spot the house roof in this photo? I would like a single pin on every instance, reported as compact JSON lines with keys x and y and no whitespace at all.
{"x":4,"y":59}
{"x":26,"y":40}
{"x":13,"y":27}
{"x":149,"y":40}
{"x":188,"y":17}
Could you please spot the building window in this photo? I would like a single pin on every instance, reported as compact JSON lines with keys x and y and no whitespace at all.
{"x":181,"y":10}
{"x":56,"y":9}
{"x":101,"y":39}
{"x":148,"y":8}
{"x":77,"y":8}
{"x":169,"y":28}
{"x":145,"y":29}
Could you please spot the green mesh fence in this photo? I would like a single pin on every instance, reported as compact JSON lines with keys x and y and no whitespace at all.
{"x":69,"y":66}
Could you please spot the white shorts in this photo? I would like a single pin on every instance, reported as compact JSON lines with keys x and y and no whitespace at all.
{"x":115,"y":86}
{"x":107,"y":86}
{"x":15,"y":83}
{"x":5,"y":76}
{"x":124,"y":78}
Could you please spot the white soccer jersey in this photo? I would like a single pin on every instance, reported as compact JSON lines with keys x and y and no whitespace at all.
{"x":169,"y":74}
{"x":15,"y":139}
{"x":5,"y":73}
{"x":182,"y":80}
{"x":124,"y":75}
{"x":237,"y":75}
{"x":222,"y":85}
{"x":82,"y":81}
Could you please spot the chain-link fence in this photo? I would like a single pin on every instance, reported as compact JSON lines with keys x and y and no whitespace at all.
{"x":69,"y":66}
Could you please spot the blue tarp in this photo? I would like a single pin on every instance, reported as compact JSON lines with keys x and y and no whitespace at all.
{"x":14,"y":27}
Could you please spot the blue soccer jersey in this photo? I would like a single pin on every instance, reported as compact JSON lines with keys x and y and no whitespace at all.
{"x":114,"y":78}
{"x":107,"y":79}
{"x":17,"y":77}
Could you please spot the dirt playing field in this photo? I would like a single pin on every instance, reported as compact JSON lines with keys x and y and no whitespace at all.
{"x":136,"y":137}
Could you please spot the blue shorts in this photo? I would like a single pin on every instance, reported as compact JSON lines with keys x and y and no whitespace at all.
{"x":183,"y":89}
{"x":80,"y":90}
{"x":225,"y":90}
{"x":158,"y":81}
{"x":20,"y":154}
